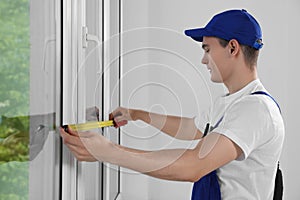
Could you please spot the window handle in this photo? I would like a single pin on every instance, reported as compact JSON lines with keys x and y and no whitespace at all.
{"x":86,"y":37}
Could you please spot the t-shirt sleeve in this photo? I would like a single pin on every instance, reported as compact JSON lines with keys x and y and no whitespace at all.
{"x":244,"y":124}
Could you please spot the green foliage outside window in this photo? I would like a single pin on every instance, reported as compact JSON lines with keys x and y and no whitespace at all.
{"x":14,"y":57}
{"x":14,"y":99}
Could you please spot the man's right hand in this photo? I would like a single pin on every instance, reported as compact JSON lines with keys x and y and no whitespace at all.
{"x":121,"y":116}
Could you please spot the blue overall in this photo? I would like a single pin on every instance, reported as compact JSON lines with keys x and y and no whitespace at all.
{"x":208,"y":188}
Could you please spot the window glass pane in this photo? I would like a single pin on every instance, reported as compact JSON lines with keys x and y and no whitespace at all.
{"x":14,"y":98}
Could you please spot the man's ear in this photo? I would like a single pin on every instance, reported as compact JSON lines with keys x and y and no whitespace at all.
{"x":233,"y":46}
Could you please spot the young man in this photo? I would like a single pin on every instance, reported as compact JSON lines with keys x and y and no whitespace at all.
{"x":246,"y":132}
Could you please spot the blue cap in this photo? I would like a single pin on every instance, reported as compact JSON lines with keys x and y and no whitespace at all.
{"x":231,"y":24}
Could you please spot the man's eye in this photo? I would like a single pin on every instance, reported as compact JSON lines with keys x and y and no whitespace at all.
{"x":206,"y":50}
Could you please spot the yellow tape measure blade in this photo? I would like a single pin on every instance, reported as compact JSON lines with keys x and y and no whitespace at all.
{"x":91,"y":125}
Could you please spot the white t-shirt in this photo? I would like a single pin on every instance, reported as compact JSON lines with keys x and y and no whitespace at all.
{"x":255,"y":124}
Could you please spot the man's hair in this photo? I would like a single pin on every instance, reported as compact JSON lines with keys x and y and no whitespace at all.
{"x":250,"y":53}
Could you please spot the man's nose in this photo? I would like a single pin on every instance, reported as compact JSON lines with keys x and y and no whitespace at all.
{"x":204,"y":60}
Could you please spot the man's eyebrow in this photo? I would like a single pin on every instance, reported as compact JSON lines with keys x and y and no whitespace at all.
{"x":204,"y":46}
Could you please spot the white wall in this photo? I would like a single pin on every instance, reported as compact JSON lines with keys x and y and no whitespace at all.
{"x":290,"y":98}
{"x":134,"y":15}
{"x":162,"y":72}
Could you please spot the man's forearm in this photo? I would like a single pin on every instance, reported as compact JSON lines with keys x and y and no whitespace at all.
{"x":179,"y":127}
{"x":164,"y":164}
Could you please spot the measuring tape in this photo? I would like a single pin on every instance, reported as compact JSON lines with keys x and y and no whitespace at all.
{"x":91,"y":125}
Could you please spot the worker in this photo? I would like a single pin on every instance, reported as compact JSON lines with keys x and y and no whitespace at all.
{"x":243,"y":141}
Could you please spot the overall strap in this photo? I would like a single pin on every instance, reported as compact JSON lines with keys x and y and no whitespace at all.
{"x":264,"y":93}
{"x":209,"y":128}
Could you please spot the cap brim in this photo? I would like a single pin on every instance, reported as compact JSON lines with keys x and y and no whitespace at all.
{"x":197,"y":33}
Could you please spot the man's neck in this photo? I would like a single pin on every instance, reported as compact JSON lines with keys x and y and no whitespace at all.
{"x":240,"y":81}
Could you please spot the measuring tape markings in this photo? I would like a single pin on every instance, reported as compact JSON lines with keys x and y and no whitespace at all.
{"x":91,"y":125}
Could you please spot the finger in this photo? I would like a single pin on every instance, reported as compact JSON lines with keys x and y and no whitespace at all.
{"x":117,"y":112}
{"x":87,"y":134}
{"x":79,"y":153}
{"x":67,"y":129}
{"x":120,"y":123}
{"x":63,"y":132}
{"x":74,"y":141}
{"x":72,"y":132}
{"x":120,"y":118}
{"x":70,"y":139}
{"x":78,"y":150}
